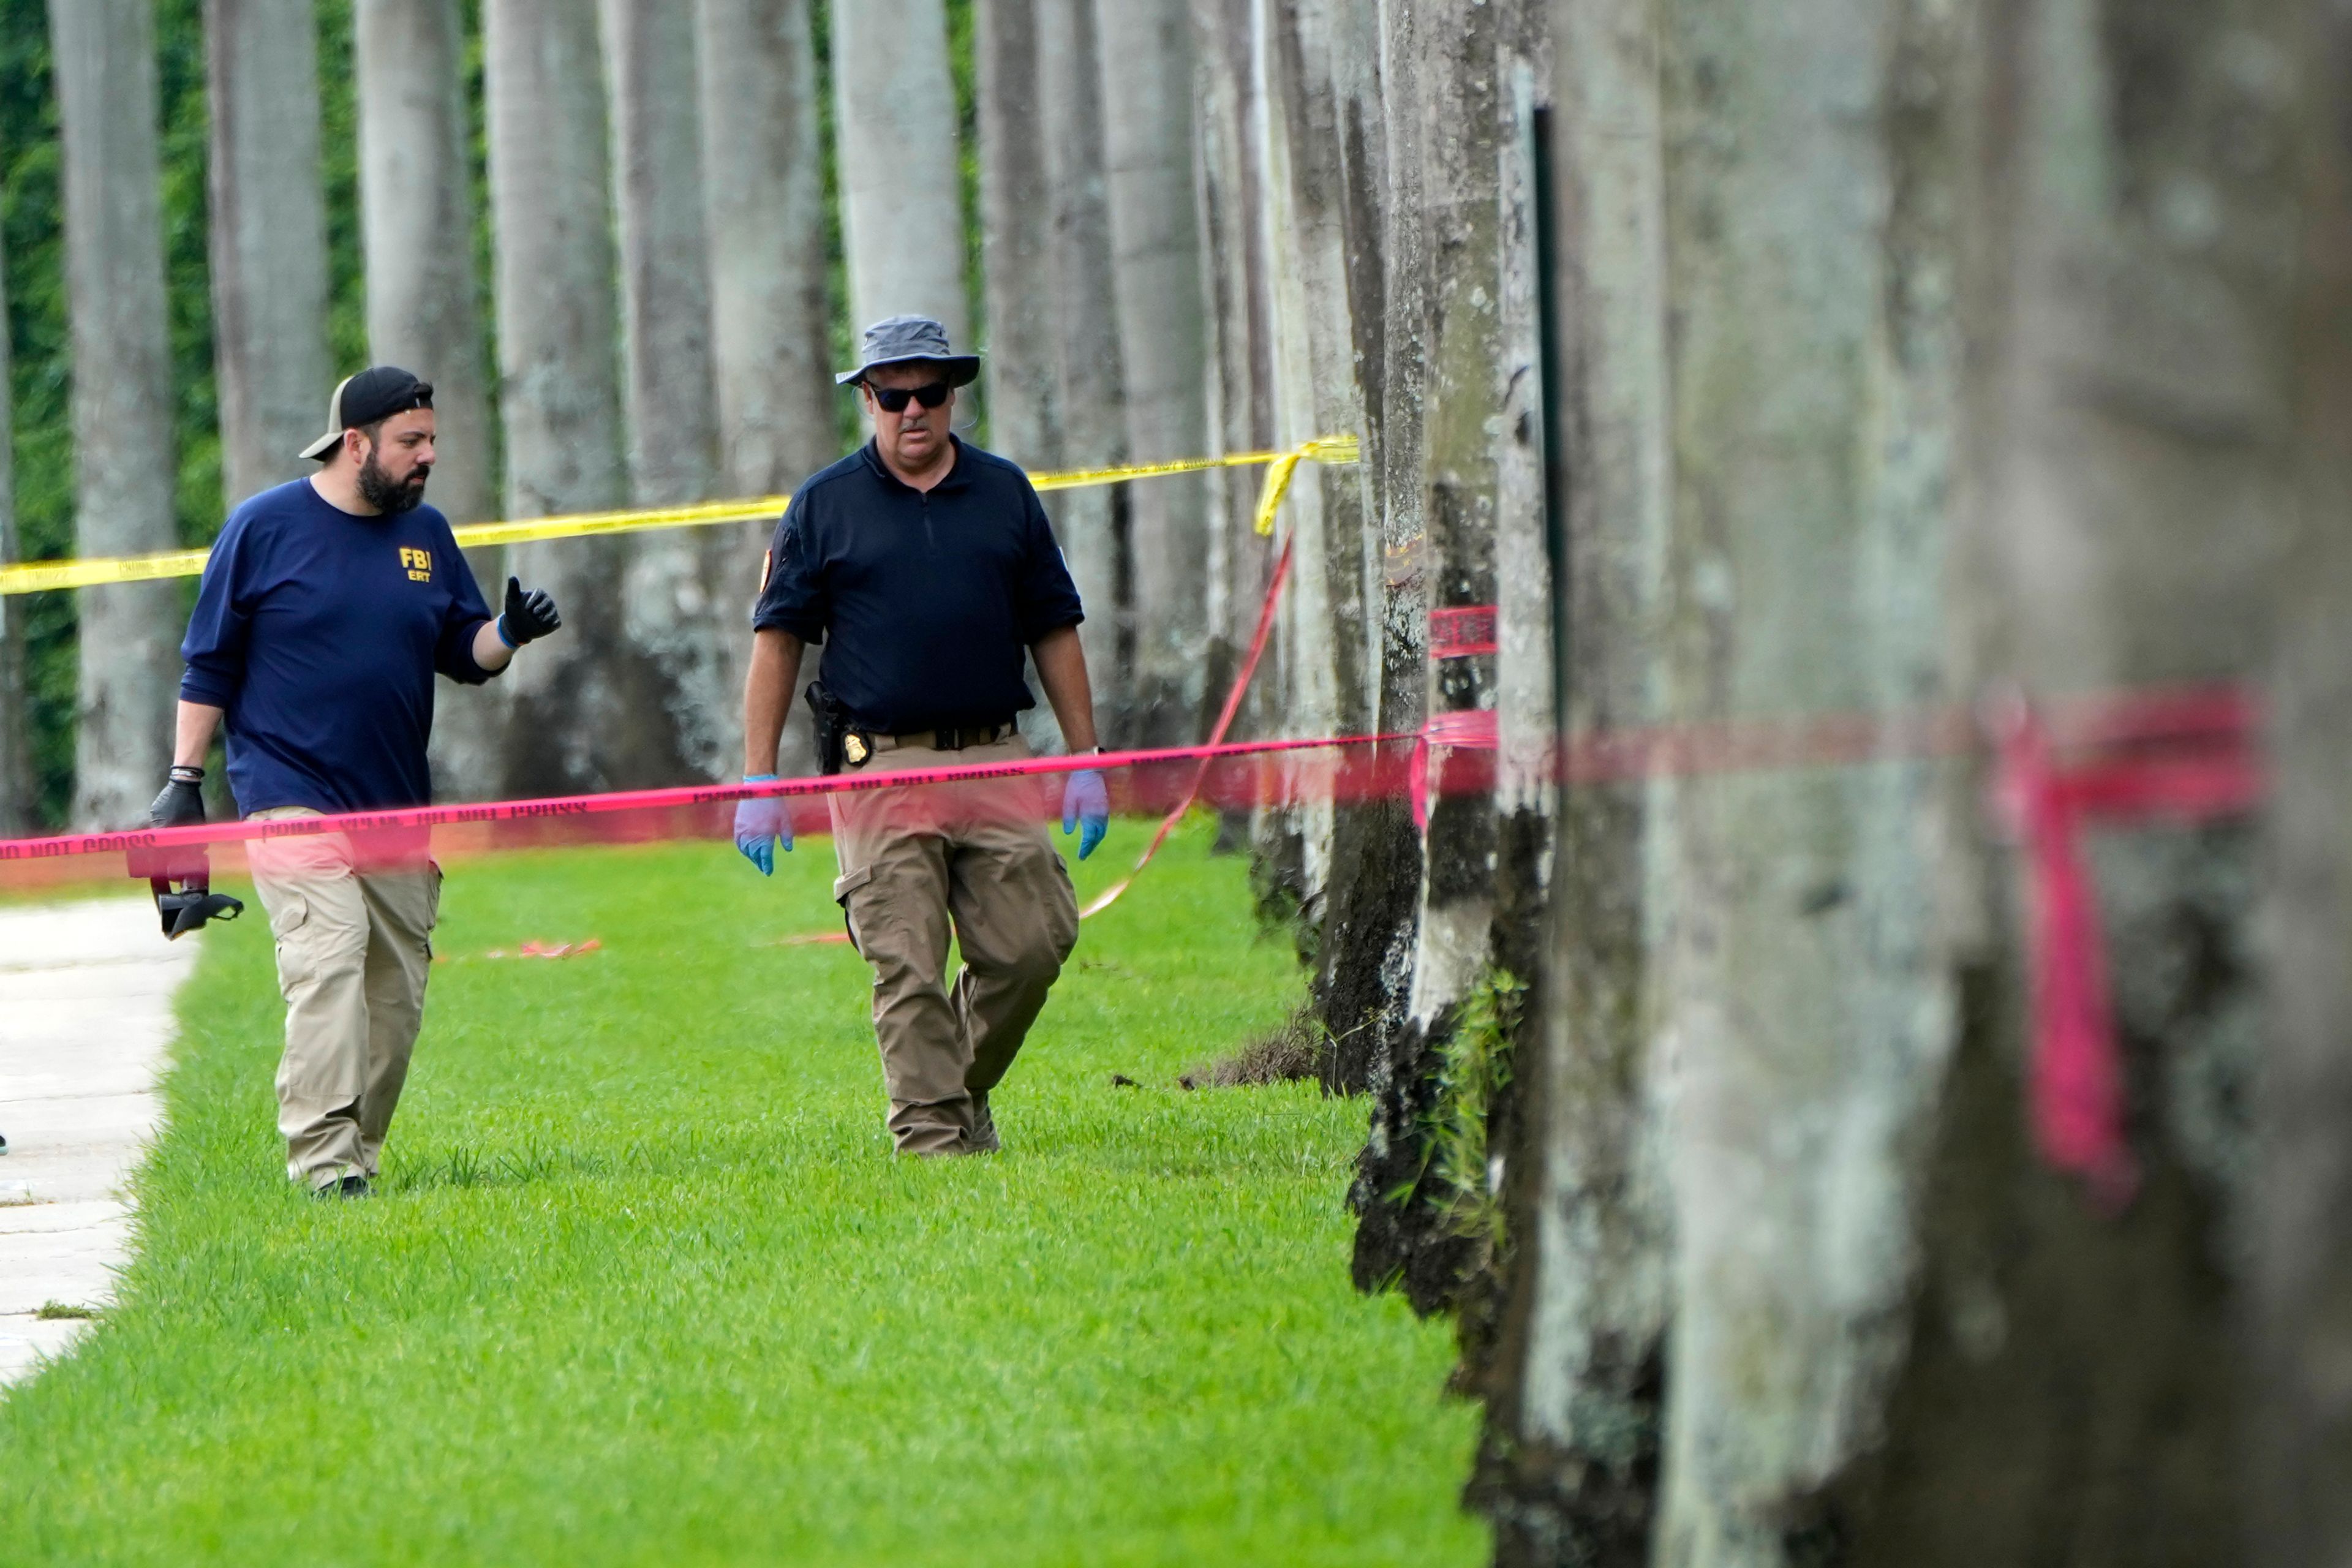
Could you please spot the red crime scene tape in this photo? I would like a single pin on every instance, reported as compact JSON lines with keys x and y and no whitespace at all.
{"x":2179,"y":754}
{"x":2188,"y":758}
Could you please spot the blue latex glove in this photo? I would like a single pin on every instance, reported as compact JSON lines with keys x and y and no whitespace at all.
{"x":1086,"y":799}
{"x":759,"y":822}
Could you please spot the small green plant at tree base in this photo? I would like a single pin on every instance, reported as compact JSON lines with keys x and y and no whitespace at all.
{"x":1475,"y":1068}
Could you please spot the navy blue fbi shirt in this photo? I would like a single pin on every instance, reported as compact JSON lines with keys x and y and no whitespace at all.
{"x":925,"y":601}
{"x":318,"y":633}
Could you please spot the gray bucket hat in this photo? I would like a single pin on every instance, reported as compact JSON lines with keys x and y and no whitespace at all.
{"x":899,"y":340}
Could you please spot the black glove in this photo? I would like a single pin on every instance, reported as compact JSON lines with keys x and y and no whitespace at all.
{"x":182,"y":803}
{"x":530,"y":615}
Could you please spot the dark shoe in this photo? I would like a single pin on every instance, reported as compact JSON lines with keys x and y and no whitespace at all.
{"x":349,"y":1187}
{"x":931,"y":1139}
{"x":981,"y":1138}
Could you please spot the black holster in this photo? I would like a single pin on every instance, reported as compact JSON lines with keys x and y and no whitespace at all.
{"x":833,"y":726}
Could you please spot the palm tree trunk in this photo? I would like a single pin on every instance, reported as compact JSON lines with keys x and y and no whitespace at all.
{"x":2301,"y":1244}
{"x":1231,"y":155}
{"x":670,"y":596}
{"x":1805,"y":977}
{"x":1021,"y":376}
{"x":1573,"y":1390}
{"x":1321,"y":185}
{"x":895,"y":145}
{"x":423,"y":305}
{"x":1146,"y":52}
{"x":418,"y":223}
{"x":580,"y":711}
{"x":18,"y":812}
{"x":1461,"y":352}
{"x":763,"y":171}
{"x":1458,"y":233}
{"x":1090,"y":382}
{"x":269,"y":238}
{"x":763,"y":174}
{"x":2128,"y":482}
{"x":1023,"y":388}
{"x":1527,"y":662}
{"x":1369,"y":907}
{"x":104,"y":57}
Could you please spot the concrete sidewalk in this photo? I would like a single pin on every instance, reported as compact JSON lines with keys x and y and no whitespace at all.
{"x":85,"y":1022}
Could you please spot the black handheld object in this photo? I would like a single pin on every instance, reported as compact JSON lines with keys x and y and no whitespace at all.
{"x":180,"y":875}
{"x":186,"y":906}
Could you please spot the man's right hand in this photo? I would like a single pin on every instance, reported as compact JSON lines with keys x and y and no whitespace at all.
{"x":182,"y":804}
{"x":760,"y":823}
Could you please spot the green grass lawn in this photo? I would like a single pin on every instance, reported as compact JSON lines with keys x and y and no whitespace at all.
{"x":647,"y":1286}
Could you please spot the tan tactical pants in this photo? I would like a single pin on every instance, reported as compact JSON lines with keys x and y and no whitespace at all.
{"x":353,"y":951}
{"x":913,"y":861}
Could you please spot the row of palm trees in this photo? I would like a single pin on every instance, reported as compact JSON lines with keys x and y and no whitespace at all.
{"x":661,"y":310}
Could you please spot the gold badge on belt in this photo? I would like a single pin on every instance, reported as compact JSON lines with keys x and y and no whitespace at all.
{"x":855,"y":749}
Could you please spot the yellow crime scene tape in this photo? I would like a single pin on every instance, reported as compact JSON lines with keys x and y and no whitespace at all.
{"x":45,"y":576}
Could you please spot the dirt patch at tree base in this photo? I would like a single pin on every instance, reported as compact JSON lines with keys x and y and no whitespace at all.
{"x":1298,"y":1051}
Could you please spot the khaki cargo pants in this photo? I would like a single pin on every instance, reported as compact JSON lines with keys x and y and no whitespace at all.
{"x":353,"y":951}
{"x":913,"y":861}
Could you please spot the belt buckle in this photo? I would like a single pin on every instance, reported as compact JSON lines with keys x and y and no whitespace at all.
{"x":949,"y":739}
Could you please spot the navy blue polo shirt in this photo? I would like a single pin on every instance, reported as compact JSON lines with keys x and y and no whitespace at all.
{"x":925,"y":601}
{"x":319,"y":633}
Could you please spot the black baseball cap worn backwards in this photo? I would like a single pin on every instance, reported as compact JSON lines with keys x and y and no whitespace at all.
{"x":377,"y":392}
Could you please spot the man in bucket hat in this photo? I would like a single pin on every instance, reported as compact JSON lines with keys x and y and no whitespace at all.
{"x":326,"y":606}
{"x":927,"y":568}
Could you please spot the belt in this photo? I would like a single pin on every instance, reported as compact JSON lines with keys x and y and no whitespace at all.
{"x":949,"y":739}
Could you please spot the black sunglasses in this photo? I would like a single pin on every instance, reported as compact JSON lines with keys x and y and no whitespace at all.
{"x":893,"y":399}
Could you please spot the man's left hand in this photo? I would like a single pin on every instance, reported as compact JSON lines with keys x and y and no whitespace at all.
{"x":1086,"y":799}
{"x":762,"y":823}
{"x":530,"y":615}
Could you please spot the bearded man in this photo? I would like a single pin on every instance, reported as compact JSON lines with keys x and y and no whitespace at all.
{"x":328,"y":605}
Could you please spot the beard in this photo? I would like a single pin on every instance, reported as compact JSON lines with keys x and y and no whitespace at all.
{"x":389,"y":495}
